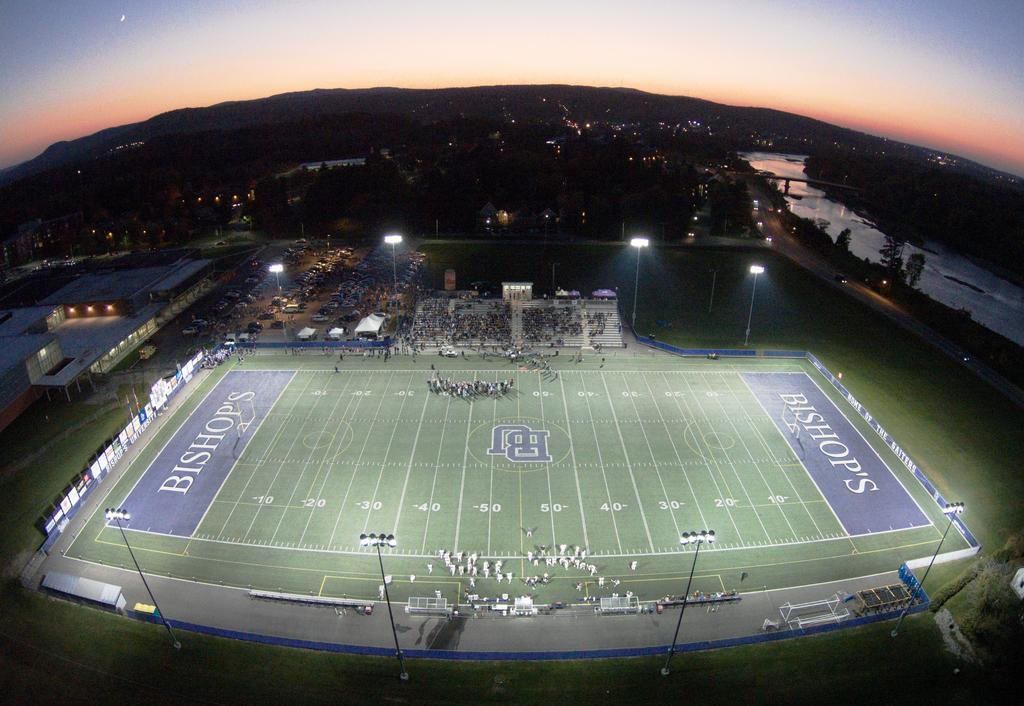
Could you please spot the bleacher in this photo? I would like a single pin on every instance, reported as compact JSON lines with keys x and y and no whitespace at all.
{"x":572,"y":323}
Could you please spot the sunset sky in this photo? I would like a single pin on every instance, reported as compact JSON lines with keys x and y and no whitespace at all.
{"x":945,"y":74}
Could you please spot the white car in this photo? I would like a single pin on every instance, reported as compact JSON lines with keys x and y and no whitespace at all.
{"x":318,"y":317}
{"x":189,"y":331}
{"x":449,"y":352}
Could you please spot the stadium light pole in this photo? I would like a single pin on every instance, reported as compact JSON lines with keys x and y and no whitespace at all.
{"x":118,"y":514}
{"x":639,"y":244}
{"x":277,"y":269}
{"x":393,"y":240}
{"x":951,"y":510}
{"x":378,"y":541}
{"x":685,"y":538}
{"x":754,"y":270}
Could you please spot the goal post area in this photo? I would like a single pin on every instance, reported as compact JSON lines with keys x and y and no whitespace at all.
{"x":423,"y":605}
{"x":826,"y":610}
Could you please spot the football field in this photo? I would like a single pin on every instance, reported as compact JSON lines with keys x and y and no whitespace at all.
{"x":269,"y":473}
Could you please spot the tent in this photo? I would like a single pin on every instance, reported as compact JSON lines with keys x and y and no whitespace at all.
{"x":336,"y":333}
{"x":603,"y":294}
{"x":306,"y":334}
{"x":370,"y":326}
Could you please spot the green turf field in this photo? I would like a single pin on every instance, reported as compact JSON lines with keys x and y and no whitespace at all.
{"x":643,"y":448}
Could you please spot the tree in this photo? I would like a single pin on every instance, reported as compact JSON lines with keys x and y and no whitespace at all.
{"x":892,"y":257}
{"x":843,"y":240}
{"x":915,"y":266}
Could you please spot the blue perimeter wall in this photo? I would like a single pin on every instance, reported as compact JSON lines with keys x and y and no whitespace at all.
{"x":878,"y":429}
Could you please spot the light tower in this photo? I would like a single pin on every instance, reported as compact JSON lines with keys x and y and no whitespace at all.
{"x":378,"y":541}
{"x":685,"y":538}
{"x":754,"y":270}
{"x":639,"y":244}
{"x":393,"y":239}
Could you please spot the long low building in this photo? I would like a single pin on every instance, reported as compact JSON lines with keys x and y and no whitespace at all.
{"x":87,"y":327}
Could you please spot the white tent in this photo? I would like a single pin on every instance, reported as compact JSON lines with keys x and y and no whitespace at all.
{"x":336,"y":333}
{"x":306,"y":334}
{"x":370,"y":326}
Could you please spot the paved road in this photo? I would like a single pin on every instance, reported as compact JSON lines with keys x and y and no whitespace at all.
{"x":785,"y":243}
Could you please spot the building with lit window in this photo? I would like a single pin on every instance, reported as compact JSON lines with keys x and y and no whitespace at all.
{"x":87,"y":327}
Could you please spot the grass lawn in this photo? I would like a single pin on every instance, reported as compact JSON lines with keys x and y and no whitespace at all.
{"x":967,"y":438}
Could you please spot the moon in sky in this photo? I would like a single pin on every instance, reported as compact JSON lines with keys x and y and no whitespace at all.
{"x":122,"y":18}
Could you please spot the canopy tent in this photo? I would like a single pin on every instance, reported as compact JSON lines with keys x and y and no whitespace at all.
{"x":336,"y":333}
{"x":603,"y":294}
{"x":306,"y":334}
{"x":370,"y":326}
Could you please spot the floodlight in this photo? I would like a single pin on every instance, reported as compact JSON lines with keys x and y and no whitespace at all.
{"x":953,"y":508}
{"x":392,"y":239}
{"x":639,"y":242}
{"x":756,"y":269}
{"x":277,"y":268}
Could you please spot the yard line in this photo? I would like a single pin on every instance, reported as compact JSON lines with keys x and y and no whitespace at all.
{"x":671,"y":439}
{"x":359,"y":459}
{"x":433,"y":483}
{"x":547,"y":471}
{"x":490,"y":490}
{"x":328,"y":457}
{"x":412,"y":457}
{"x":600,"y":462}
{"x":302,"y":472}
{"x":383,"y":463}
{"x":778,"y":462}
{"x":629,"y":464}
{"x":462,"y":484}
{"x":721,"y":406}
{"x":707,"y":420}
{"x":265,"y":456}
{"x":572,"y":455}
{"x":708,"y":461}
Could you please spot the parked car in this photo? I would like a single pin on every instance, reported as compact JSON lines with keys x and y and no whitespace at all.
{"x":277,"y":323}
{"x":190,"y":331}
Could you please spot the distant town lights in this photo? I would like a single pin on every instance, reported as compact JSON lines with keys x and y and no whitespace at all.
{"x":639,"y":242}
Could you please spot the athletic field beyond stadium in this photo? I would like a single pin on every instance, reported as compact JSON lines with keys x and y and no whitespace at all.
{"x":269,"y":472}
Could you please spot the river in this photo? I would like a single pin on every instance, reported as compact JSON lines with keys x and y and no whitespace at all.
{"x":948,"y":277}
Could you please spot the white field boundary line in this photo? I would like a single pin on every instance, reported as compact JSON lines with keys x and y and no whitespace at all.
{"x":412,"y":457}
{"x":462,"y":483}
{"x":802,"y":465}
{"x":490,"y":486}
{"x":235,"y":464}
{"x":778,"y":462}
{"x":715,"y":548}
{"x":885,"y":465}
{"x":547,"y":472}
{"x":173,"y":436}
{"x":229,"y":587}
{"x":572,"y":455}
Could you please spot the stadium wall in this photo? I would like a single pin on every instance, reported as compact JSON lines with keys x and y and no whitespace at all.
{"x":903,"y":456}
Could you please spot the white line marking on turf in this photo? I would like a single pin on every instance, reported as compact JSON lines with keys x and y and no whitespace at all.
{"x":433,"y":483}
{"x":462,"y":483}
{"x":383,"y":465}
{"x":572,"y":456}
{"x":408,"y":470}
{"x":600,"y":463}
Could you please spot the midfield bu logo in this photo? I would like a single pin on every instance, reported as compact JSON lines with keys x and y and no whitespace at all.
{"x":519,"y":443}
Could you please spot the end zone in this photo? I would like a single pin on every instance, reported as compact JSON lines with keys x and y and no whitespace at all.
{"x":173,"y":494}
{"x":862,"y":490}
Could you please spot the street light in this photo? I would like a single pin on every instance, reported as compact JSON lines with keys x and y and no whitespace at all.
{"x":277,"y":269}
{"x":685,"y":538}
{"x":118,"y":514}
{"x":754,"y":270}
{"x":639,"y":244}
{"x":393,"y":240}
{"x":386,"y":540}
{"x":952,"y":510}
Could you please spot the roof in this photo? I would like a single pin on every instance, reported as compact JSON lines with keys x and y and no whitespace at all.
{"x":14,"y":322}
{"x":370,"y":324}
{"x":14,"y":350}
{"x":124,"y":284}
